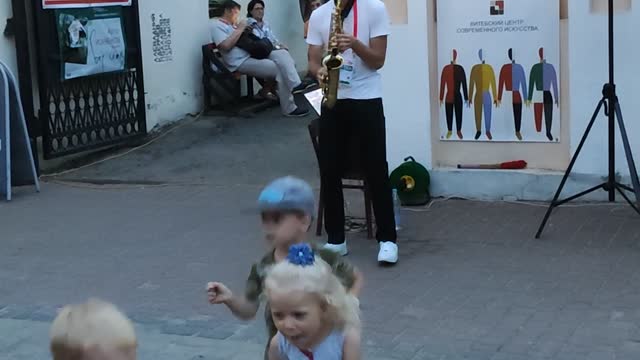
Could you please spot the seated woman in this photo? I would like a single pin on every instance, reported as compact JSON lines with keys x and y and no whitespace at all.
{"x":225,"y":33}
{"x":261,"y":29}
{"x":255,"y":15}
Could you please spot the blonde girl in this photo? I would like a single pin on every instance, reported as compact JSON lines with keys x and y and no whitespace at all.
{"x":315,"y":317}
{"x":94,"y":330}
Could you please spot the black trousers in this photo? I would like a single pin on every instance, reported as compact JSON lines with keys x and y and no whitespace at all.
{"x":548,"y":110}
{"x":517,"y":116}
{"x":359,"y":122}
{"x":449,"y":107}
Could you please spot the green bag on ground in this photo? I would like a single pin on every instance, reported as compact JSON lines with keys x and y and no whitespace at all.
{"x":412,"y":181}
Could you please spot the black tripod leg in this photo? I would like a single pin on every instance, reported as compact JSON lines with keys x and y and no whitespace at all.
{"x":624,"y":195}
{"x":625,"y":187}
{"x":627,"y":150}
{"x":554,"y":202}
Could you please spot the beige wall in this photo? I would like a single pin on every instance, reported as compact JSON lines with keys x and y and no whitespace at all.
{"x":398,"y":11}
{"x":603,"y":5}
{"x":553,"y":156}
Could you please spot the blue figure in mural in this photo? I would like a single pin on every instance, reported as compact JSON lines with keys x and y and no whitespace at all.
{"x":513,"y":78}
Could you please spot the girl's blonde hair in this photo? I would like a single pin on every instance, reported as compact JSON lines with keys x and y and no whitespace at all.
{"x":318,"y":279}
{"x":93,"y":323}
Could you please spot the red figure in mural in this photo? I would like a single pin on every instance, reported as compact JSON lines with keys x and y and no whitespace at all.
{"x":453,"y":78}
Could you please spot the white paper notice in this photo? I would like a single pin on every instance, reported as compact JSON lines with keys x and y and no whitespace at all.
{"x":315,"y":99}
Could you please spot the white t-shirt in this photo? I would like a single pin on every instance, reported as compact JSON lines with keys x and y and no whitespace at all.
{"x":373,"y":21}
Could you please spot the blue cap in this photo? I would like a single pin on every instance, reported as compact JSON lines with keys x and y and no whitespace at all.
{"x":287,"y":194}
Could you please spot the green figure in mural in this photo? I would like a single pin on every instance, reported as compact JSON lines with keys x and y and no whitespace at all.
{"x":483,"y":82}
{"x":543,"y":79}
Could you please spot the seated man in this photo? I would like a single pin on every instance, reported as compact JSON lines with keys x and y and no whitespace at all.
{"x":226,"y":32}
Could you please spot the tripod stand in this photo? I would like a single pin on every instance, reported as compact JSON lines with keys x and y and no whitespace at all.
{"x":612,"y":110}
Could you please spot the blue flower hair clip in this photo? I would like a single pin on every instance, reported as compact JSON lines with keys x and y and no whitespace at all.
{"x":301,"y":254}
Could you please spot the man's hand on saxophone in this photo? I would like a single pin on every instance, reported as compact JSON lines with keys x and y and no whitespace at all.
{"x":345,"y":41}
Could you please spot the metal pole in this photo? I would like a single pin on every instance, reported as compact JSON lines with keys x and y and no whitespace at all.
{"x":612,"y":100}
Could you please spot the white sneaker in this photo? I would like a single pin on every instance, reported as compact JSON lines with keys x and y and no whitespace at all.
{"x":338,"y":248}
{"x":388,"y":252}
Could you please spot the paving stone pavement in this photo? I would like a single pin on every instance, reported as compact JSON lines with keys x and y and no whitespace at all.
{"x":472,"y":282}
{"x":28,"y":340}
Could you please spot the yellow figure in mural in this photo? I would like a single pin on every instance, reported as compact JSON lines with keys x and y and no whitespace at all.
{"x":482,"y":94}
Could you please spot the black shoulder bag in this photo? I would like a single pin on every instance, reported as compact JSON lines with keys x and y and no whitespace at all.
{"x":258,"y":48}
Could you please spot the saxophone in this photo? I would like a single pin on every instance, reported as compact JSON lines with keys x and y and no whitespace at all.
{"x":333,"y":61}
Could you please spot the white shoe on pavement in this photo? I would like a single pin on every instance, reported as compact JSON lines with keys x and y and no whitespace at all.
{"x":337,"y":248}
{"x":388,"y":252}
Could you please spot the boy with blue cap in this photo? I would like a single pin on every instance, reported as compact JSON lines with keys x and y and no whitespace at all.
{"x":286,"y":206}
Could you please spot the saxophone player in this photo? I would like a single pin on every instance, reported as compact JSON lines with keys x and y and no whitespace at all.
{"x":357,"y":114}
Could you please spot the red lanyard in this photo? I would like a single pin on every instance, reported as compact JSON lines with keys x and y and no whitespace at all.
{"x":355,"y":19}
{"x":308,"y":354}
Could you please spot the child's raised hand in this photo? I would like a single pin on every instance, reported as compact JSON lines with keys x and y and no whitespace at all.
{"x":218,"y":293}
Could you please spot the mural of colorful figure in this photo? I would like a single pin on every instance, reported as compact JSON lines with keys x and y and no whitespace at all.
{"x":482,"y":93}
{"x":513,"y":78}
{"x":453,"y":79}
{"x":542,"y":79}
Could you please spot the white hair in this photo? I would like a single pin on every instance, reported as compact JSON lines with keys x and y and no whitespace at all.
{"x":93,"y":323}
{"x":317,"y":279}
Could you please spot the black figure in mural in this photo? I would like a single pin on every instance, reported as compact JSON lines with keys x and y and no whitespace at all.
{"x":453,"y":79}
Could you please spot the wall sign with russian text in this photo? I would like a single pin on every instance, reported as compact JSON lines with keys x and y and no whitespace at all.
{"x":161,"y":29}
{"x":58,"y":4}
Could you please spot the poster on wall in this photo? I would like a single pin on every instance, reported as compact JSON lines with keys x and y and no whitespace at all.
{"x":498,"y":68}
{"x":91,"y":41}
{"x":60,"y":4}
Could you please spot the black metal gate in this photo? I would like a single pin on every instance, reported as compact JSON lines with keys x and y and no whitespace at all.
{"x":89,"y":112}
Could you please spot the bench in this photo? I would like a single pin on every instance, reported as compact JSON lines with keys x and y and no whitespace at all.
{"x":222,"y":87}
